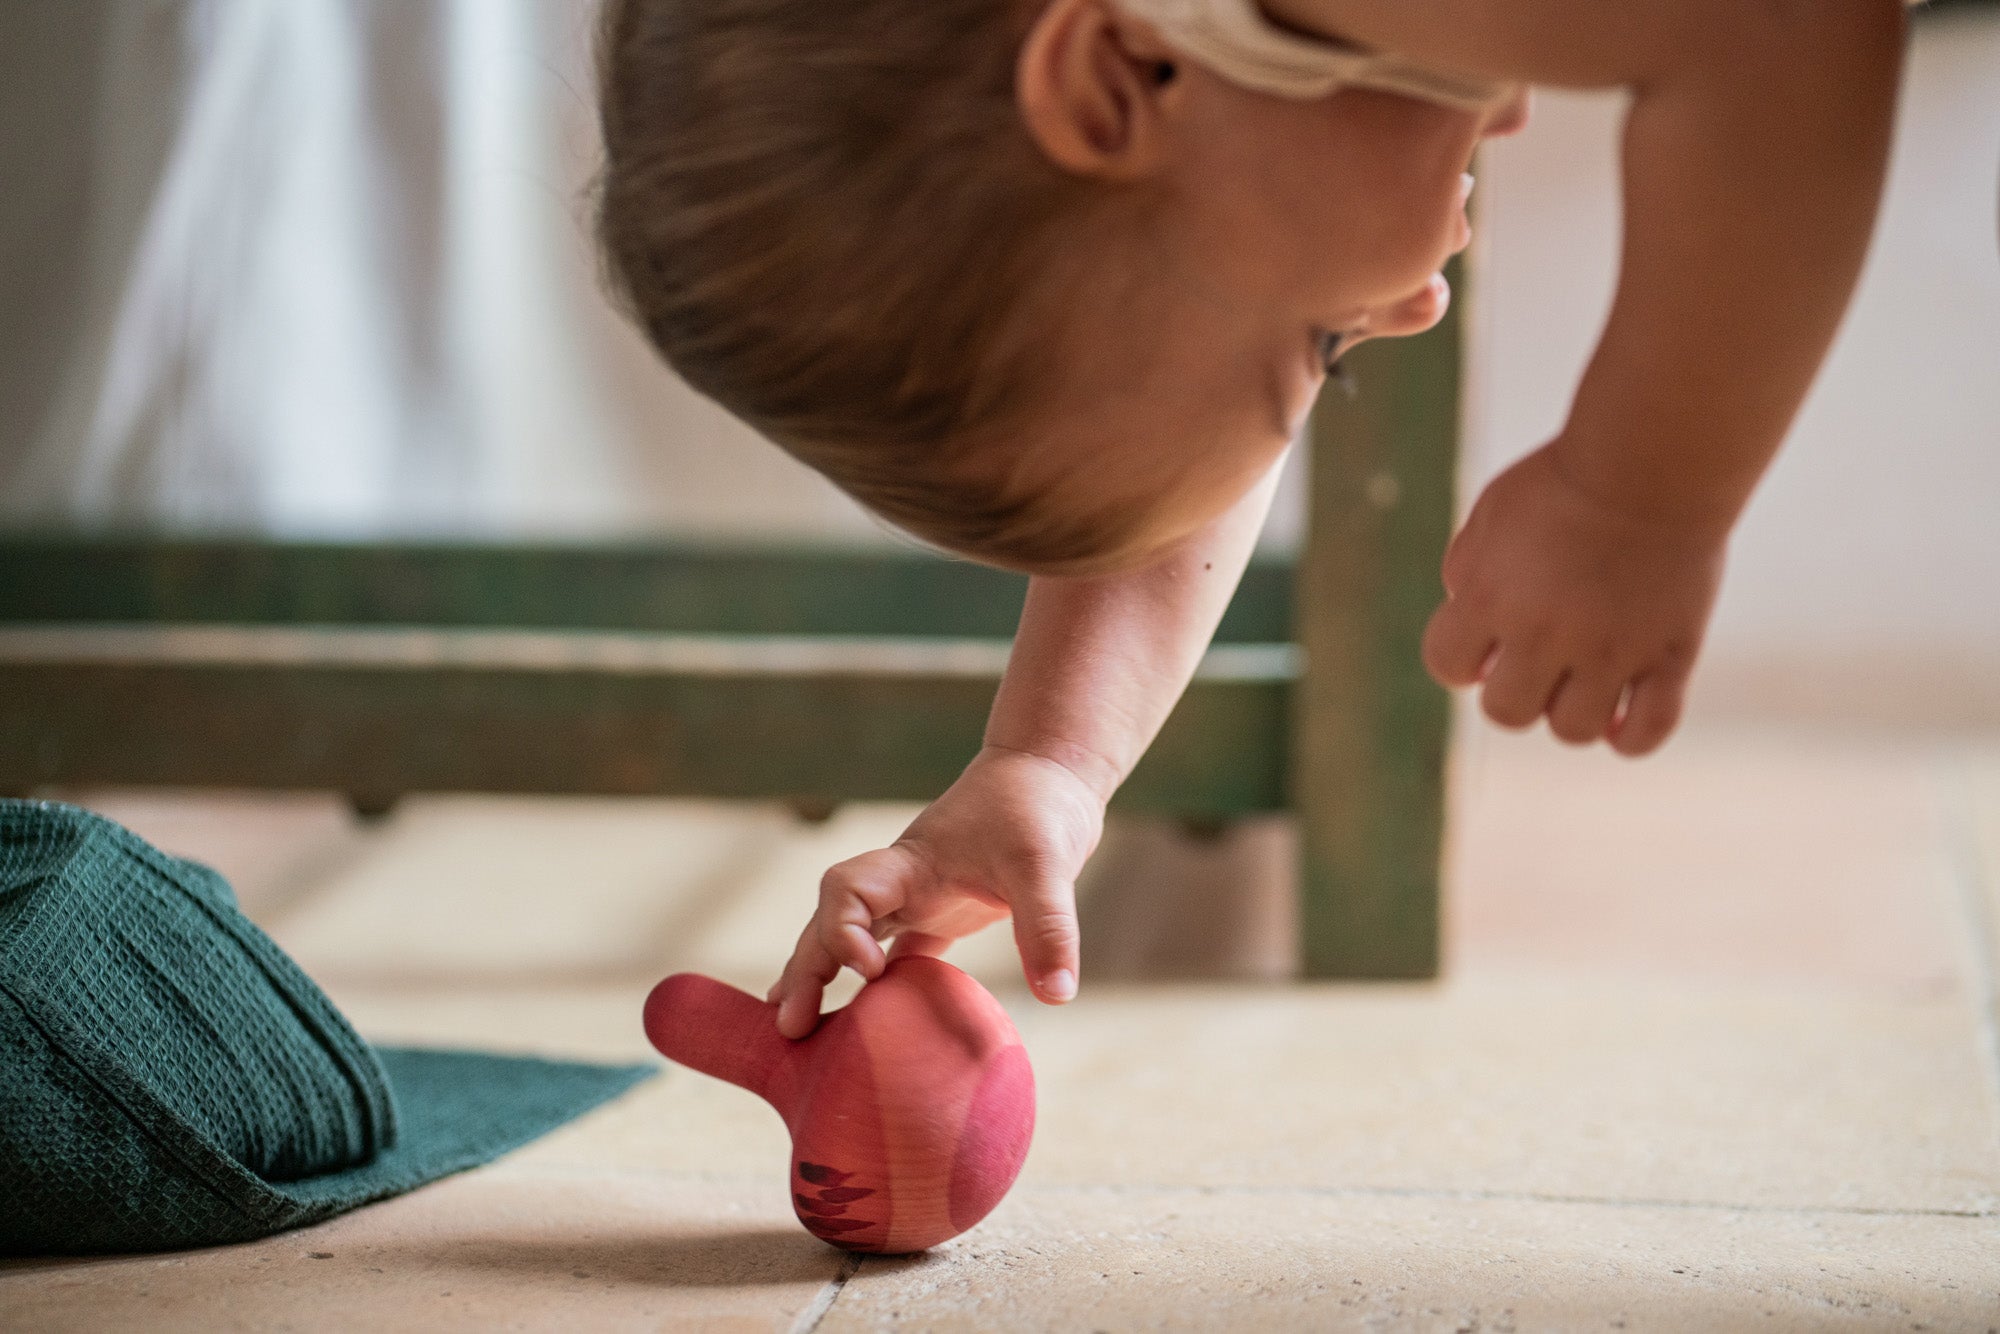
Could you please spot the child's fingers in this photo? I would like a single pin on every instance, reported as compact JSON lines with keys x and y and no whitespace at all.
{"x":803,"y":983}
{"x":1521,"y":683}
{"x":1456,"y":646}
{"x":853,"y":897}
{"x":1585,"y":705}
{"x":1652,"y":712}
{"x":1451,"y":570}
{"x":1045,"y":933}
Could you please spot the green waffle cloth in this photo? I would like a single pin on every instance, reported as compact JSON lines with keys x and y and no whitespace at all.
{"x":170,"y":1078}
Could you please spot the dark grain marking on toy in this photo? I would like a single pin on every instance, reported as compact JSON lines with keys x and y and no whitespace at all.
{"x":822,"y":1226}
{"x":808,"y":1205}
{"x":821,"y":1175}
{"x":845,"y":1194}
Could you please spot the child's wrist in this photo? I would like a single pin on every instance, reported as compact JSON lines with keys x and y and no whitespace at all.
{"x":1677,"y":504}
{"x":1094,"y":775}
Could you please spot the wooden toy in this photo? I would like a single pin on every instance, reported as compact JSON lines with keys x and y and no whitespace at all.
{"x":910,"y":1108}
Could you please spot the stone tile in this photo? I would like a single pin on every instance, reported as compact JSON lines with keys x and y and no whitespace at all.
{"x":482,"y":1251}
{"x":484,"y":891}
{"x":680,"y":1123}
{"x":1740,"y":1096}
{"x":1729,"y":855}
{"x":272,"y":847}
{"x":497,"y":894}
{"x":1143,"y":1260}
{"x":1705,"y":1036}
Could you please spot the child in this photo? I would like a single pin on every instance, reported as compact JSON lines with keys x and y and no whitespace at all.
{"x":1052,"y":284}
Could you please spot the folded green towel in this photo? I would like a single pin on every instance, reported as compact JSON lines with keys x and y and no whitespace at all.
{"x":170,"y":1078}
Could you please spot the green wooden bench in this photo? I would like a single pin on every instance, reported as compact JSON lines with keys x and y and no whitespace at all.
{"x":813,"y":676}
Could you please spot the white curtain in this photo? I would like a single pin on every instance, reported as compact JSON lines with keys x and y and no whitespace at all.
{"x":321,"y":267}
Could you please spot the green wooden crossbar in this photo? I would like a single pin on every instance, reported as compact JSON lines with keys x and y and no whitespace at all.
{"x":382,"y":670}
{"x":64,"y":577}
{"x":602,"y":715}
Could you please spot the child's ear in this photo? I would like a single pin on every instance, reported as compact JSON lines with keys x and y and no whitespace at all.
{"x":1091,"y":84}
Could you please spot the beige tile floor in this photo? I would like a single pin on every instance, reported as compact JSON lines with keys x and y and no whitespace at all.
{"x":1716,"y":1050}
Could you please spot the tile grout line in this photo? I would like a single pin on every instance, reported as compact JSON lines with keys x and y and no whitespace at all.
{"x":1966,"y":866}
{"x":822,"y":1302}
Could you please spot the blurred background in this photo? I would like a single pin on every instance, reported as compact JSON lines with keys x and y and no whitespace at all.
{"x":322,"y":269}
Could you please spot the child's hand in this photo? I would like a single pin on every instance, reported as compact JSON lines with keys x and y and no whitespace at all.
{"x":1561,"y":604}
{"x":1009,"y":835}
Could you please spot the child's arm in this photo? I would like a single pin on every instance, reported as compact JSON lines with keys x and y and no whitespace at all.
{"x":1754,"y":154}
{"x":1097,"y":665}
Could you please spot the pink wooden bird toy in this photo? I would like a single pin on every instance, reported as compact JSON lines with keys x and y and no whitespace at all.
{"x":910,"y":1109}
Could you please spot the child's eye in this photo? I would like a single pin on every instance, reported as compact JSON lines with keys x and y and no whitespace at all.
{"x":1329,"y":349}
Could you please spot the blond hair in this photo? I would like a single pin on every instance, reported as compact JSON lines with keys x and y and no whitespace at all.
{"x":828,"y":216}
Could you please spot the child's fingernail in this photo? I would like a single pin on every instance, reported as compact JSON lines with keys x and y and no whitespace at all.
{"x":1060,"y":985}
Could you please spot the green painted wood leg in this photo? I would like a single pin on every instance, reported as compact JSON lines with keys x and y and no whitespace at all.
{"x":1369,"y":725}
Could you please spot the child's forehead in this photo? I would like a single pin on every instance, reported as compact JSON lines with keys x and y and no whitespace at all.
{"x":1238,"y":42}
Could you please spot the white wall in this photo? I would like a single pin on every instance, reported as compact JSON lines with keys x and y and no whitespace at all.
{"x":321,"y":268}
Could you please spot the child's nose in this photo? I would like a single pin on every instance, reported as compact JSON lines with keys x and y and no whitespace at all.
{"x":1508,"y":116}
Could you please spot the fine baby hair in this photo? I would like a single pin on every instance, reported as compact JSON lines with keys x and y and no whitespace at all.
{"x":830,"y":219}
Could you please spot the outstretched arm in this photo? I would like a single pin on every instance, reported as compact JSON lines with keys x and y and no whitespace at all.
{"x":1097,"y":665}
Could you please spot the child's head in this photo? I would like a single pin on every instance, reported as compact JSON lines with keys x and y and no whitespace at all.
{"x":1015,"y":274}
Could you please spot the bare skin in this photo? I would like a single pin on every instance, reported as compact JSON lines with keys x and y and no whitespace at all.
{"x":1581,"y":584}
